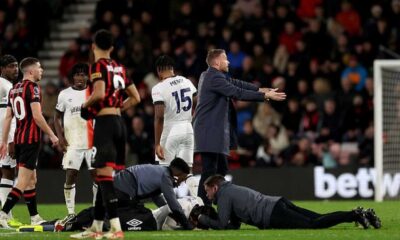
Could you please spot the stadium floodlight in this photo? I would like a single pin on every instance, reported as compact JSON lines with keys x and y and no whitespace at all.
{"x":386,"y":124}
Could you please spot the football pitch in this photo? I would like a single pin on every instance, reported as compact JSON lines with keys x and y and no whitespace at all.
{"x":388,"y":211}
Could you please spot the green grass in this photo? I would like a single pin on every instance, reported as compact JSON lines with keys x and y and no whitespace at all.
{"x":388,"y":211}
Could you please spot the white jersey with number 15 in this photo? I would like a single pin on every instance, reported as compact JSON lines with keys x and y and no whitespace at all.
{"x":177,"y":95}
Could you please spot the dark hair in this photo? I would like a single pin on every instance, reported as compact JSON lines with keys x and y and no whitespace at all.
{"x":7,"y":59}
{"x":214,"y":180}
{"x":180,"y":164}
{"x":213,"y":54}
{"x":103,"y":39}
{"x":78,"y":68}
{"x":164,"y":62}
{"x":26,"y":62}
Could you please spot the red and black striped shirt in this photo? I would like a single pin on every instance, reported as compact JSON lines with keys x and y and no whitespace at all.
{"x":20,"y":98}
{"x":114,"y":77}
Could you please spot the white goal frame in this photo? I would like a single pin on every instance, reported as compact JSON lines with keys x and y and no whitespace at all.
{"x":378,"y":123}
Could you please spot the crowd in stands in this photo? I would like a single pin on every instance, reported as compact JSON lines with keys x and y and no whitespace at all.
{"x":320,"y":52}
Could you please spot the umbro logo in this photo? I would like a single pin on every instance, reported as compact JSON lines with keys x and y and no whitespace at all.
{"x":134,"y":222}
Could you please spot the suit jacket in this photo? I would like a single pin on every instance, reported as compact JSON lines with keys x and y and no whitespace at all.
{"x":214,"y":121}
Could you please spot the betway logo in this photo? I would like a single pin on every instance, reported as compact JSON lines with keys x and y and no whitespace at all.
{"x":348,"y":185}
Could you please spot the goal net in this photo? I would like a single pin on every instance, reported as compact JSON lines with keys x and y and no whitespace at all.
{"x":387,"y":129}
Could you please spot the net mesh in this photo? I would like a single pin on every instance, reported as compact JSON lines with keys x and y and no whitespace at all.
{"x":391,"y":127}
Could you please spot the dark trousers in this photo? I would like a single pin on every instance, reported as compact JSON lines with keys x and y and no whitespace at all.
{"x":286,"y":215}
{"x":212,"y":163}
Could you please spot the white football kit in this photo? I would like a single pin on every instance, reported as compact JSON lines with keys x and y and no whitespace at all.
{"x":161,"y":215}
{"x":176,"y":93}
{"x":5,"y":87}
{"x":78,"y":132}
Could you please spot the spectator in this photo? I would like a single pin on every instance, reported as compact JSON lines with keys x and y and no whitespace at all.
{"x":349,"y":19}
{"x":309,"y":121}
{"x":277,"y":137}
{"x":330,"y":123}
{"x":248,"y":142}
{"x":289,"y":37}
{"x":235,"y":58}
{"x":265,"y":116}
{"x":291,"y":117}
{"x":69,"y":59}
{"x":265,"y":158}
{"x":140,"y":143}
{"x":356,"y":73}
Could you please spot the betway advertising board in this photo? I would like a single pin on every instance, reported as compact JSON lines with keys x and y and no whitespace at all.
{"x":295,"y":183}
{"x":318,"y":183}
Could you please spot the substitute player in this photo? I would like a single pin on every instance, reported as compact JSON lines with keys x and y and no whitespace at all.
{"x":107,"y":83}
{"x":9,"y":76}
{"x":24,"y":104}
{"x":75,"y":133}
{"x":173,"y":103}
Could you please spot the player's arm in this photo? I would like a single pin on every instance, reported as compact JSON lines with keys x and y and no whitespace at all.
{"x":133,"y":97}
{"x":159,"y":109}
{"x":58,"y":116}
{"x":6,"y":130}
{"x":98,"y":94}
{"x":41,"y":122}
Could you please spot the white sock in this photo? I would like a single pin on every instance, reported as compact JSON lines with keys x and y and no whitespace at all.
{"x":5,"y":188}
{"x":94,"y":189}
{"x":115,"y":225}
{"x":97,"y":225}
{"x":69,"y":194}
{"x":192,"y":185}
{"x":160,"y":214}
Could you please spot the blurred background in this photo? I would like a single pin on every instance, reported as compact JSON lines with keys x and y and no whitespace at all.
{"x":320,"y":52}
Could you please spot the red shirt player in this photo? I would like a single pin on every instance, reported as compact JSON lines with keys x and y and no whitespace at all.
{"x":107,"y":84}
{"x":24,"y":104}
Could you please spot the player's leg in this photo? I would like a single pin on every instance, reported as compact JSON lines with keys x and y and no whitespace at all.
{"x":108,"y":191}
{"x":30,"y":200}
{"x":103,"y":151}
{"x":186,"y":151}
{"x":24,"y":179}
{"x":92,"y":171}
{"x":169,"y":145}
{"x":7,"y":180}
{"x":71,"y":176}
{"x":72,"y":162}
{"x":6,"y":183}
{"x":160,"y":215}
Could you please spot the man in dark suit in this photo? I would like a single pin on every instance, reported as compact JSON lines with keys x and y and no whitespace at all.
{"x":215,"y":117}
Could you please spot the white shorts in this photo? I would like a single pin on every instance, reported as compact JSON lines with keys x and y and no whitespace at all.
{"x":73,"y":158}
{"x":8,"y":162}
{"x":181,"y":146}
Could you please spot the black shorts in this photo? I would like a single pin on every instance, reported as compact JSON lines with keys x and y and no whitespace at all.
{"x":27,"y":155}
{"x":109,"y":142}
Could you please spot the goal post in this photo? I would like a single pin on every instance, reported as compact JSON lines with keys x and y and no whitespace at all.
{"x":386,"y":122}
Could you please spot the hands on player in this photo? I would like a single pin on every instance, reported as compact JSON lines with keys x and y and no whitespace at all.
{"x":3,"y":150}
{"x":160,"y":152}
{"x":11,"y":150}
{"x":54,"y":140}
{"x":274,"y":94}
{"x":63,"y":144}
